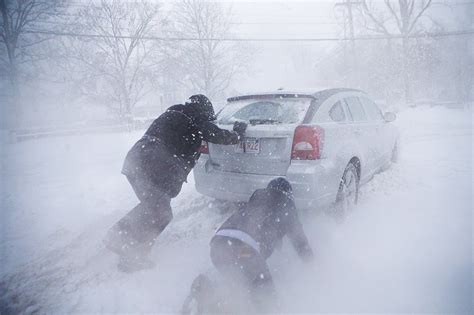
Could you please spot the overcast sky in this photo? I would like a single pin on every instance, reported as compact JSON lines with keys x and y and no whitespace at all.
{"x":285,"y":19}
{"x":273,"y":65}
{"x":306,"y":19}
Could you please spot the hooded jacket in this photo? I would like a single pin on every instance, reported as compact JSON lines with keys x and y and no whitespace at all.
{"x":169,"y":148}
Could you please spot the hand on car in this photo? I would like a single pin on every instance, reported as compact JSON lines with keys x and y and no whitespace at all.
{"x":239,"y":128}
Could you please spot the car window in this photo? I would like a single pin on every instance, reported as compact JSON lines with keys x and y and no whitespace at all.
{"x":265,"y":111}
{"x":356,"y":109}
{"x":337,"y":112}
{"x":371,"y":109}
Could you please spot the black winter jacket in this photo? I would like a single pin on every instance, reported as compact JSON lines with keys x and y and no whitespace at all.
{"x":270,"y":215}
{"x":169,"y":148}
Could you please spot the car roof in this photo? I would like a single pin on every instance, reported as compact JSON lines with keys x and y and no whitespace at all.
{"x":300,"y":93}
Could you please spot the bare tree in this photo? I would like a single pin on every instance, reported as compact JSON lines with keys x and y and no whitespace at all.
{"x":18,"y":49}
{"x":399,"y":17}
{"x":208,"y":64}
{"x":115,"y":65}
{"x":463,"y":51}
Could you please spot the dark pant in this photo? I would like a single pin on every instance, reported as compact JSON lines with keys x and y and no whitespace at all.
{"x":238,"y":260}
{"x":137,"y":231}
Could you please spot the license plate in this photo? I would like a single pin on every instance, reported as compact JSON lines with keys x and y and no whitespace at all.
{"x":248,"y":145}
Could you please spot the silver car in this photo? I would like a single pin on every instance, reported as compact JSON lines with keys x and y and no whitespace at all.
{"x":325,"y":143}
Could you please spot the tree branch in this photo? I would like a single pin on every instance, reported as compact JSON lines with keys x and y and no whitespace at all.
{"x":423,"y":9}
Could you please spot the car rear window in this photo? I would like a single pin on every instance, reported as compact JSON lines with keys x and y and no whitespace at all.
{"x":265,"y":111}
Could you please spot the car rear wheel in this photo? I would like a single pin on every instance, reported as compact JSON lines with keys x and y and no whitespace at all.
{"x":348,"y":193}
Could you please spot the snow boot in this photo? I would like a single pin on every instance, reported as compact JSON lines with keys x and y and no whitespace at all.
{"x":200,"y":298}
{"x":133,"y":256}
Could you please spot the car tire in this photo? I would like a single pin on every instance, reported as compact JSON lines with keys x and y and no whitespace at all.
{"x":348,"y":192}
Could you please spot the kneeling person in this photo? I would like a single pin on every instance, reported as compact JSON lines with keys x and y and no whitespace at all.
{"x":248,"y":238}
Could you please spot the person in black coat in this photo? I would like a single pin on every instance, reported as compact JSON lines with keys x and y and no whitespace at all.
{"x":248,"y":238}
{"x":156,"y":167}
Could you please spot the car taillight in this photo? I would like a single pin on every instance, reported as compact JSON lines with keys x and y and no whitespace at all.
{"x":204,"y":148}
{"x":307,"y":143}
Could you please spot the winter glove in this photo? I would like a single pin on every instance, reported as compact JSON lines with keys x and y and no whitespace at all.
{"x":240,"y":128}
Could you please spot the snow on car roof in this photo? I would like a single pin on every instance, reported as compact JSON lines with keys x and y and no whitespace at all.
{"x":269,"y":95}
{"x":302,"y":93}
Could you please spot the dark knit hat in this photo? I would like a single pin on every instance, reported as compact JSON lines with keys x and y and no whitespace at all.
{"x":202,"y":105}
{"x":280,"y":184}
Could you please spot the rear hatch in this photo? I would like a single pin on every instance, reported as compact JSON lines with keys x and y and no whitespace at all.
{"x":266,"y":149}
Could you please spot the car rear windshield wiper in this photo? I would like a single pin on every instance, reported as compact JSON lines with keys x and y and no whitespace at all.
{"x":264,"y":121}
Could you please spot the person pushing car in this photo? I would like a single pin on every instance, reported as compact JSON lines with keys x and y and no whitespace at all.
{"x":156,"y":167}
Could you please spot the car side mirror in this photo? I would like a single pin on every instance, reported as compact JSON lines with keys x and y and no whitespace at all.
{"x":389,"y":116}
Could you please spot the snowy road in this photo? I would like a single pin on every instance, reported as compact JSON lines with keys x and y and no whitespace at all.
{"x":406,"y":248}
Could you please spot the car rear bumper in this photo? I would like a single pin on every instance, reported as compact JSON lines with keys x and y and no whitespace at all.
{"x":314,"y":183}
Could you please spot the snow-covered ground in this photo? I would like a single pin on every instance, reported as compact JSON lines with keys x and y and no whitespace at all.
{"x":407,"y":247}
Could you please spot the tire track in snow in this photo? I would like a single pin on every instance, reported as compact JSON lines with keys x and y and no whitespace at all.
{"x":60,"y":272}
